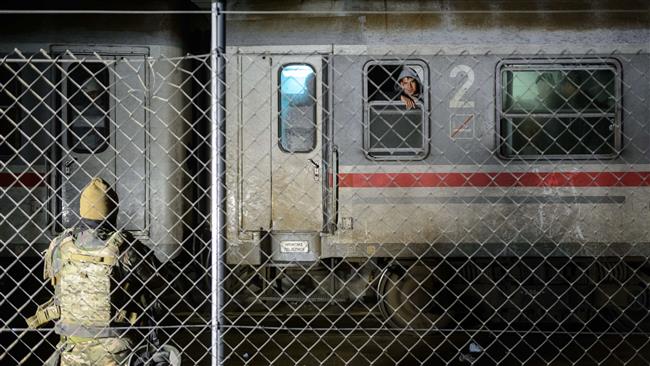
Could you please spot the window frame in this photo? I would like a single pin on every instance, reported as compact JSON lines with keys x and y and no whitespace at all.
{"x":371,"y":153}
{"x":589,"y":64}
{"x":64,"y":79}
{"x":314,"y":107}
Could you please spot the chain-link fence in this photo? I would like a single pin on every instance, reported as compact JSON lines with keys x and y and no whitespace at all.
{"x":432,"y":207}
{"x":140,"y":124}
{"x":437,"y":206}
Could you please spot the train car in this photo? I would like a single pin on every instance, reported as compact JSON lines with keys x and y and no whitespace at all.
{"x":106,"y":94}
{"x":518,"y":181}
{"x":85,"y":97}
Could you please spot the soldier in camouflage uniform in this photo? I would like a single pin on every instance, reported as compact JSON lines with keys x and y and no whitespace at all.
{"x":91,"y":267}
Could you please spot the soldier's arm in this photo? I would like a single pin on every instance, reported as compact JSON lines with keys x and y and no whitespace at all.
{"x":138,"y":260}
{"x":141,"y":277}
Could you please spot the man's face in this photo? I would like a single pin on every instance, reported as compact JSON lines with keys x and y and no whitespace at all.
{"x":409,"y":86}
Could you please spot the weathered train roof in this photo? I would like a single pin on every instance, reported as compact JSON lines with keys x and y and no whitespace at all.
{"x":253,"y":22}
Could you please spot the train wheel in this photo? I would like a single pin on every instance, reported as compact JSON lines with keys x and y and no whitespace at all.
{"x":408,"y":298}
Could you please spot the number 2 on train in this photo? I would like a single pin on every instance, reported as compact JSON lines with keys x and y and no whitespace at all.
{"x":457,"y":101}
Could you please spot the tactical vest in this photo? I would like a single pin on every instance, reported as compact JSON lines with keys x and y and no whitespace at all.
{"x":80,"y":266}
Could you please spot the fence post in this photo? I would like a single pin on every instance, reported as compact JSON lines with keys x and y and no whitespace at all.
{"x":217,"y":116}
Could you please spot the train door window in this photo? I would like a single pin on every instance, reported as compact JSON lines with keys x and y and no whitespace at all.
{"x":393,"y":130}
{"x":297,"y":114}
{"x":10,"y":115}
{"x":559,"y":110}
{"x":87,"y":92}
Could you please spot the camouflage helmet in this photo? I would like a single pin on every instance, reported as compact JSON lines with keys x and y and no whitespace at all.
{"x":98,"y":201}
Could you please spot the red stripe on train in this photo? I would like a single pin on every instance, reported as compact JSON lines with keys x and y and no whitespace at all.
{"x":549,"y":179}
{"x":21,"y":180}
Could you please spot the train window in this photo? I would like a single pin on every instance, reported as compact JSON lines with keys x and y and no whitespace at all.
{"x":88,"y":107}
{"x":10,"y":115}
{"x":394,"y":130}
{"x":559,"y":110}
{"x":297,"y":104}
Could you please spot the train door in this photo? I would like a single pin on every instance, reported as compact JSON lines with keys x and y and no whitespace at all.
{"x":296,"y":153}
{"x":102,"y":133}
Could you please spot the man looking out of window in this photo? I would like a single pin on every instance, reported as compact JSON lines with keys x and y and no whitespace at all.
{"x":410,"y":87}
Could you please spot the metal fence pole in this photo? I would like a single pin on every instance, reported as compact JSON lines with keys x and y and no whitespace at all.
{"x":217,"y":168}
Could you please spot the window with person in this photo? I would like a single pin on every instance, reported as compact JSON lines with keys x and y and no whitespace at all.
{"x":297,"y":104}
{"x":559,"y":110}
{"x":396,"y":110}
{"x":88,"y":107}
{"x":10,"y":115}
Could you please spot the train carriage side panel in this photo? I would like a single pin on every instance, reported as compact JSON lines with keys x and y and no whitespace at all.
{"x":255,"y":99}
{"x":169,"y":147}
{"x":248,"y":146}
{"x":101,"y":129}
{"x":145,"y":129}
{"x":232,"y":163}
{"x":275,"y":181}
{"x":463,"y":193}
{"x":21,"y":179}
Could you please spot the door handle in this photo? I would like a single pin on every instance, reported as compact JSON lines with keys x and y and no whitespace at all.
{"x":68,"y":163}
{"x":316,"y":170}
{"x":335,"y":186}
